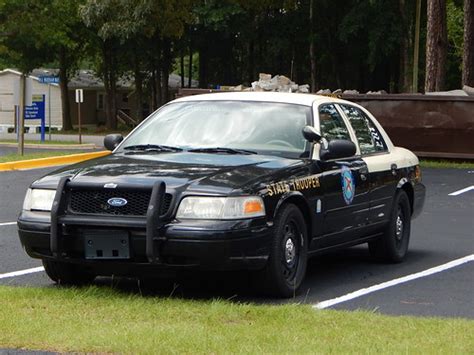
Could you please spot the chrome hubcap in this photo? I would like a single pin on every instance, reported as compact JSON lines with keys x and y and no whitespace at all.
{"x":399,"y":227}
{"x":290,"y":251}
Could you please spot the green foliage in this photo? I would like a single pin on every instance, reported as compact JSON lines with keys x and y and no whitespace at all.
{"x":358,"y":43}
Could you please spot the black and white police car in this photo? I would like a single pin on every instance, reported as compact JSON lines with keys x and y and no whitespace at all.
{"x":228,"y":181}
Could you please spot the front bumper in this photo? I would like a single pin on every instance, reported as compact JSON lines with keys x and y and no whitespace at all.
{"x":207,"y":245}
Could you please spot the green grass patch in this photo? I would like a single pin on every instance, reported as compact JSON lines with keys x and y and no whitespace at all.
{"x":97,"y":319}
{"x":444,"y":163}
{"x":46,"y":142}
{"x":27,"y":156}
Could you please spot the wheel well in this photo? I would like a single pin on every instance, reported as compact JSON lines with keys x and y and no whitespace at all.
{"x":409,"y":191}
{"x":303,"y":207}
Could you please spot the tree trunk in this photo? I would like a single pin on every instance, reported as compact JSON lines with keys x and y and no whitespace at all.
{"x":190,"y":64}
{"x":153,"y":85}
{"x":203,"y":78}
{"x":138,"y":88}
{"x":251,"y":62}
{"x":110,"y":86}
{"x":468,"y":50}
{"x":436,"y":46}
{"x":166,"y":67}
{"x":404,"y":78}
{"x":63,"y":86}
{"x":181,"y":66}
{"x":312,"y":54}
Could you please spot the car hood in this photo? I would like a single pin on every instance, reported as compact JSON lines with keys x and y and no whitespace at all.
{"x":216,"y":173}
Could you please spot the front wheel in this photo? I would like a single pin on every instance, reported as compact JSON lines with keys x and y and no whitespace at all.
{"x":67,"y":274}
{"x":286,"y":266}
{"x":393,"y":245}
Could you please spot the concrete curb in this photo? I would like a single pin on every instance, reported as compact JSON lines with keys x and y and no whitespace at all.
{"x":53,"y":161}
{"x":52,"y":146}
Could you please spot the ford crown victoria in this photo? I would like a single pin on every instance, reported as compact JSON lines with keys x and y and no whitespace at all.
{"x":228,"y":181}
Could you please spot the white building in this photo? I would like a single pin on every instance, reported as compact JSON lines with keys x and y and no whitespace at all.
{"x":92,"y":109}
{"x":9,"y":82}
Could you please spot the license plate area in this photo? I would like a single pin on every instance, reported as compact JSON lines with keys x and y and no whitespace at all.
{"x":100,"y":244}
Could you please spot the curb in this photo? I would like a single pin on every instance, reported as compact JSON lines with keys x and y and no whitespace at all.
{"x":52,"y":146}
{"x":53,"y":161}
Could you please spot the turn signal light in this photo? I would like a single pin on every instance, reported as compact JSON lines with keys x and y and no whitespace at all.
{"x":253,"y":206}
{"x":417,"y":173}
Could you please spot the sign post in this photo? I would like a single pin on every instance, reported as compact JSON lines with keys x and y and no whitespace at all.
{"x":79,"y":100}
{"x":49,"y":79}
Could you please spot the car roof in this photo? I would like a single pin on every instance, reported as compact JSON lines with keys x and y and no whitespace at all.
{"x":283,"y":97}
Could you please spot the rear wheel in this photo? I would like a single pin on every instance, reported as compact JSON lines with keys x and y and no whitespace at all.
{"x":66,"y":273}
{"x":286,"y":266}
{"x":393,"y":245}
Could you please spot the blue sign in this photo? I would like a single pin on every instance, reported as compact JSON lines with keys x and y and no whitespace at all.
{"x":348,"y":185}
{"x":49,"y":79}
{"x":37,"y":112}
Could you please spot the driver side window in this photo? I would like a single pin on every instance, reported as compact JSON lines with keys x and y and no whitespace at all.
{"x":331,"y":123}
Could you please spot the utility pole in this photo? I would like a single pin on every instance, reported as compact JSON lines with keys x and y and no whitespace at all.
{"x":21,"y":120}
{"x":312,"y":55}
{"x":416,"y":52}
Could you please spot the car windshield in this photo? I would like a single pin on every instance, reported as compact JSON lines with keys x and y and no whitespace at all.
{"x":219,"y":127}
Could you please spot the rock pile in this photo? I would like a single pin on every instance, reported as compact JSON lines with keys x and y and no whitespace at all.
{"x":278,"y":83}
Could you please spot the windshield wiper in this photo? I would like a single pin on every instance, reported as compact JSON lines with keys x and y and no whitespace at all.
{"x":152,"y":148}
{"x":222,"y":150}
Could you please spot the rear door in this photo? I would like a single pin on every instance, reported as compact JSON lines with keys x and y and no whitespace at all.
{"x":344,"y":185}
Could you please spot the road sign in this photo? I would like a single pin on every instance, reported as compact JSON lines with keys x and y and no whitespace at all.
{"x":79,"y":96}
{"x":49,"y":79}
{"x":36,"y":111}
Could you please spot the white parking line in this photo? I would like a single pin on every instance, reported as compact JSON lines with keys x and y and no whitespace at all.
{"x":7,"y":224}
{"x":455,"y":193}
{"x":365,"y":291}
{"x":21,"y":272}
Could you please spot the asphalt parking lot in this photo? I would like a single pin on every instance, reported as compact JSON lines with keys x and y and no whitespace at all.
{"x":442,"y":238}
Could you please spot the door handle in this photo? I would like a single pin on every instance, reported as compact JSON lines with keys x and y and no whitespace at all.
{"x":363,"y":173}
{"x":394,"y":167}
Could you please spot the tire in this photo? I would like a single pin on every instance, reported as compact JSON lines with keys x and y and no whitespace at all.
{"x":66,"y":273}
{"x":286,"y":266}
{"x":392,"y":246}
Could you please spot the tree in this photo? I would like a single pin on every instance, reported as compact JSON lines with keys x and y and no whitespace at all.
{"x":436,"y":46}
{"x":468,"y":57}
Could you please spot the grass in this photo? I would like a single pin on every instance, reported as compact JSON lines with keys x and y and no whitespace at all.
{"x":445,"y":164}
{"x":27,"y":156}
{"x":46,"y":142}
{"x":101,"y":320}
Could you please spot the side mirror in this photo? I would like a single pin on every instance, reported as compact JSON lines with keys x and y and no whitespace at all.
{"x":338,"y":148}
{"x":310,"y":134}
{"x":111,"y":141}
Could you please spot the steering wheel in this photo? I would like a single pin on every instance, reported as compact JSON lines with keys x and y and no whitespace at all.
{"x":280,"y":142}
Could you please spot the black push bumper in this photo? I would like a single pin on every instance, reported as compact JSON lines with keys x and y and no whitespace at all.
{"x":219,"y":245}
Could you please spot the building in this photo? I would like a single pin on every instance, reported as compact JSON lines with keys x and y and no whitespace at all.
{"x":92,"y":109}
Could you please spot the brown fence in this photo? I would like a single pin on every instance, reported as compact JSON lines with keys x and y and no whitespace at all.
{"x":430,"y":125}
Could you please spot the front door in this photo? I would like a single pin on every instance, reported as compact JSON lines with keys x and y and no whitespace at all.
{"x":344,"y":185}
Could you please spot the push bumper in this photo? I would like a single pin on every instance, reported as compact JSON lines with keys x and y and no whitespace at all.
{"x":216,"y":245}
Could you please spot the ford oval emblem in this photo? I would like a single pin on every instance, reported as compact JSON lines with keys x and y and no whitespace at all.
{"x":117,"y":202}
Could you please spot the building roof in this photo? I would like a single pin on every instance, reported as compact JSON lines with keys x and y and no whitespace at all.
{"x":87,"y":79}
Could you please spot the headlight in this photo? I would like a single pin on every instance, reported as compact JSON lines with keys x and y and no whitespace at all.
{"x":220,"y":207}
{"x":39,"y":200}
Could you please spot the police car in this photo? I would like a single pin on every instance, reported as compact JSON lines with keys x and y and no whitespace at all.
{"x":228,"y":181}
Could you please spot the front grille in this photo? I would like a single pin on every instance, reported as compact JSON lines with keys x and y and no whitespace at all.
{"x":95,"y":202}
